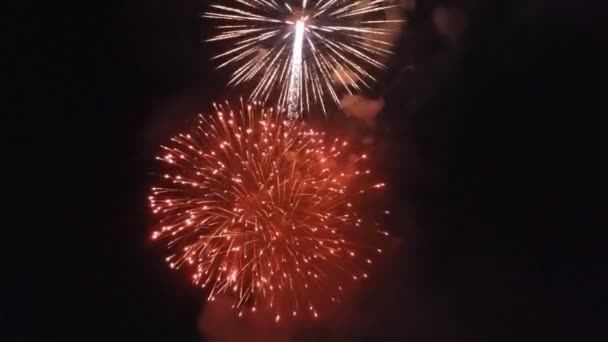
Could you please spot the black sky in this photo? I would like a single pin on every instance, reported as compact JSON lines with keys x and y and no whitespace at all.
{"x":506,"y":181}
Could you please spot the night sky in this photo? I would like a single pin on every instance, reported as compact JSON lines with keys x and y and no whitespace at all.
{"x":494,"y":152}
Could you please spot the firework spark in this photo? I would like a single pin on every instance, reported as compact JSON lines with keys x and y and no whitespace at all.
{"x":268,"y":211}
{"x":302,"y":47}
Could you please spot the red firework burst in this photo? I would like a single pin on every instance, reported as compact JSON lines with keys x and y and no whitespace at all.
{"x":267,"y":211}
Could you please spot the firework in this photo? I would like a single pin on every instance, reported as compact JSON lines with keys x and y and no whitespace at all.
{"x":303,"y":47}
{"x":267,"y":211}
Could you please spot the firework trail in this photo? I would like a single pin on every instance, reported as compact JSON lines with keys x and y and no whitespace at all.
{"x":267,"y":211}
{"x":295,"y":77}
{"x":303,"y":48}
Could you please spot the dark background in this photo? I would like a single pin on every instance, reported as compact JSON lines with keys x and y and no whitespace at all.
{"x":506,"y":183}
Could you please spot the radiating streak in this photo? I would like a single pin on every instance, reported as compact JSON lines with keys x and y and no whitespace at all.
{"x":350,"y":37}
